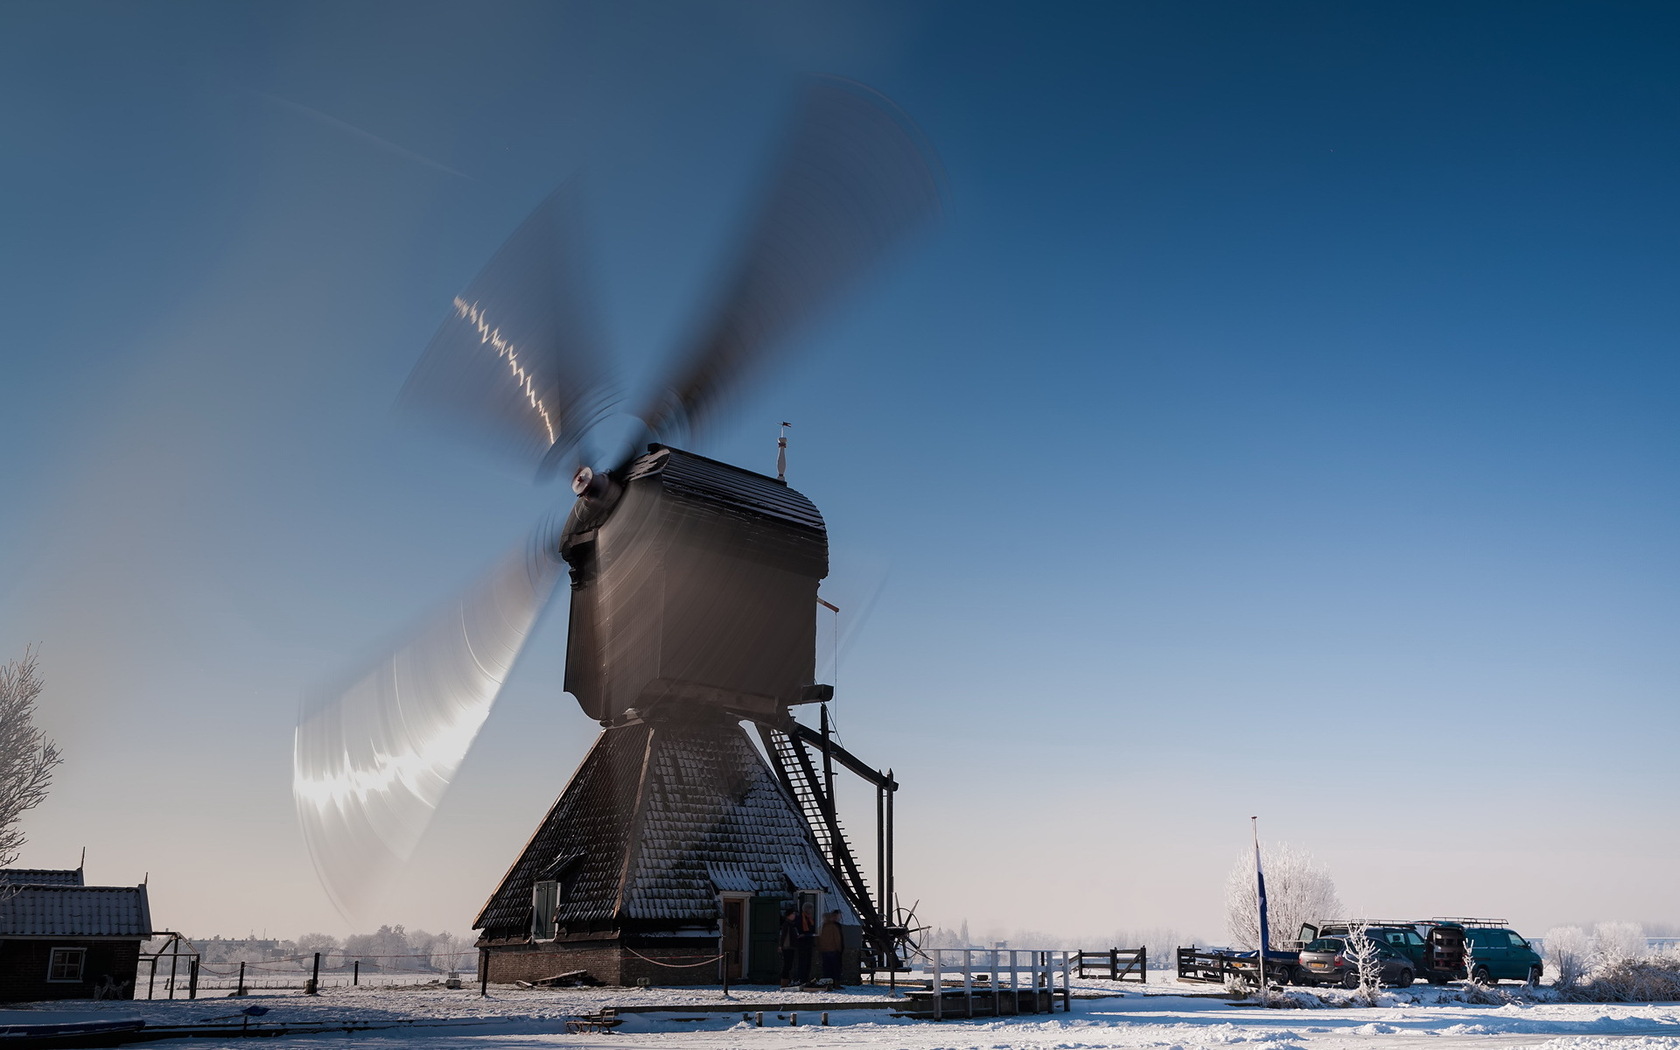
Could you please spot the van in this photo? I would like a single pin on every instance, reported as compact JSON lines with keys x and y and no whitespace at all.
{"x":1437,"y":947}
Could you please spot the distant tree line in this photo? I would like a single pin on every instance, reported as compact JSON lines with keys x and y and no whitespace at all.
{"x":388,"y":949}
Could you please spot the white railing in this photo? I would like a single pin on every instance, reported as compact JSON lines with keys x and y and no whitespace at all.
{"x":1030,"y":971}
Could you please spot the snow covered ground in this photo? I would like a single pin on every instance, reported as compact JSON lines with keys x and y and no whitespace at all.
{"x":1164,"y":1015}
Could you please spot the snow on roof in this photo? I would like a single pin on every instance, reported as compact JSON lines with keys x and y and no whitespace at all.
{"x":75,"y":911}
{"x":666,"y":815}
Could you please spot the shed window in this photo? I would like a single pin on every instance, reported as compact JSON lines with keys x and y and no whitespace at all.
{"x":545,"y":906}
{"x":65,"y":964}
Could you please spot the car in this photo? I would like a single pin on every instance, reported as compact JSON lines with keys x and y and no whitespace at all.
{"x":1325,"y":961}
{"x":1436,"y":948}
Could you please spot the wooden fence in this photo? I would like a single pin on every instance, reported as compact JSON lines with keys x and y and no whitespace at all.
{"x":1116,"y":964}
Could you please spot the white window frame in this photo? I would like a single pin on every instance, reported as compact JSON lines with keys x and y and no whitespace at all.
{"x":57,"y":957}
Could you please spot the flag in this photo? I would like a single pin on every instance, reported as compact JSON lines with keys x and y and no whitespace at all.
{"x":1260,"y":890}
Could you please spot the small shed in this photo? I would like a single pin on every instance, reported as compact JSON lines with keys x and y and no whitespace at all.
{"x":63,"y":939}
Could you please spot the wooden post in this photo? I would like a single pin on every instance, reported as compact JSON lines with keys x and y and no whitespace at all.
{"x":829,"y":811}
{"x":938,"y":988}
{"x":192,"y":978}
{"x":174,"y":961}
{"x":152,"y":980}
{"x":315,"y":977}
{"x":968,"y":981}
{"x":241,"y":979}
{"x":995,"y":1005}
{"x":890,"y":894}
{"x":483,"y":971}
{"x":356,"y":973}
{"x":881,"y":862}
{"x":1014,"y":983}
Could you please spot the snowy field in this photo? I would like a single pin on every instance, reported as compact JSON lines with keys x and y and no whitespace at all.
{"x":1165,"y":1015}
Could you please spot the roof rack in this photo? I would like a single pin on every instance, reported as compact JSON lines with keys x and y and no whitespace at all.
{"x":1465,"y":921}
{"x":1368,"y":922}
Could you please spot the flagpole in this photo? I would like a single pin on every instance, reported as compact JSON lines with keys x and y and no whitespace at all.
{"x":1260,"y":905}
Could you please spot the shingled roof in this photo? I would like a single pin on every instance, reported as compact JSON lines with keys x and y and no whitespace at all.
{"x":659,"y":819}
{"x":40,"y":876}
{"x":75,"y":911}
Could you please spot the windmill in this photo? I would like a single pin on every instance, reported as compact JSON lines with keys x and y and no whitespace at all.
{"x":693,"y":594}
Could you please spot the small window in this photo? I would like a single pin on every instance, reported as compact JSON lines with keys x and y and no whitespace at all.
{"x":65,"y":964}
{"x":545,"y":907}
{"x":1516,"y":941}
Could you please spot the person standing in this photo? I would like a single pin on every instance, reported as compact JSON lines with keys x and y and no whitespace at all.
{"x":789,"y":942}
{"x":829,"y":944}
{"x":807,"y":936}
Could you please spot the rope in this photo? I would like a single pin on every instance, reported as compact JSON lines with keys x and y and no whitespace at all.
{"x":673,"y":966}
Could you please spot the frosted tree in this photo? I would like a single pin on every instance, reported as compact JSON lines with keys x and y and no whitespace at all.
{"x":1569,"y":952}
{"x":1615,"y":943}
{"x":1364,"y":961}
{"x":1298,"y":890}
{"x":27,"y":757}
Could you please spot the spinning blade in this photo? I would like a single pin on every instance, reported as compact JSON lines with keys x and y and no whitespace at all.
{"x":854,"y":178}
{"x":370,"y":765}
{"x":518,"y":362}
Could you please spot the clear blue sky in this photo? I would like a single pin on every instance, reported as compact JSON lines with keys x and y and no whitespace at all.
{"x":1280,"y":421}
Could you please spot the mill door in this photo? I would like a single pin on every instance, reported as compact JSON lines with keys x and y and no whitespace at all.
{"x":734,"y":947}
{"x":764,"y":927}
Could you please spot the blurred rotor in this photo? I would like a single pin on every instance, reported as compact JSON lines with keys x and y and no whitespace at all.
{"x":855,"y":176}
{"x":371,"y":764}
{"x":518,"y":362}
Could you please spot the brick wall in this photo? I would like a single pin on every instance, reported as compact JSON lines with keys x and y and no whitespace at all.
{"x":609,"y":962}
{"x":23,"y":969}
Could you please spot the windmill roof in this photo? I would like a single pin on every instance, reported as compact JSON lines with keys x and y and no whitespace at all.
{"x":666,"y":816}
{"x":709,"y":480}
{"x":40,"y":876}
{"x":75,"y":911}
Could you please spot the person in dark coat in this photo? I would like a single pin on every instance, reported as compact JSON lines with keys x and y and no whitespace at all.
{"x":789,"y":942}
{"x":830,"y":942}
{"x":807,"y":930}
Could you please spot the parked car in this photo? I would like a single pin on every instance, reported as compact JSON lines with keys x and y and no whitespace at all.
{"x":1280,"y":965}
{"x":1325,"y":961}
{"x":1436,"y":948}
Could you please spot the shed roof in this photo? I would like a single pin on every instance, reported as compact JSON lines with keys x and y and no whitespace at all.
{"x":41,"y":876}
{"x":75,"y":911}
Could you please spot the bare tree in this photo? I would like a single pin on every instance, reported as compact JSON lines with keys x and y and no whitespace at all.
{"x":27,"y":757}
{"x":1298,"y":890}
{"x":1470,"y":974}
{"x":1364,"y":960}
